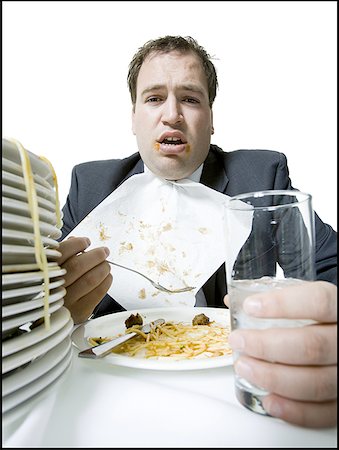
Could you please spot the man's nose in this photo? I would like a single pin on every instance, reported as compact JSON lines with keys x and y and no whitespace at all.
{"x":172,"y":114}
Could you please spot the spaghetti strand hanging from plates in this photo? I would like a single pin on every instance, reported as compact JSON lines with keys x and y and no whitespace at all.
{"x":40,"y":254}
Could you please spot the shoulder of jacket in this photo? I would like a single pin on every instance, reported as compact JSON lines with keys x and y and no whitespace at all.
{"x":248,"y":153}
{"x":105,"y":164}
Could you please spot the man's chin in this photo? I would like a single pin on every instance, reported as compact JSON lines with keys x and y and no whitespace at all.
{"x":170,"y":171}
{"x":172,"y":176}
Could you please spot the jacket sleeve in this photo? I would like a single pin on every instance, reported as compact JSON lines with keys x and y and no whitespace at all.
{"x":254,"y":170}
{"x":325,"y":251}
{"x":70,"y":217}
{"x":325,"y":236}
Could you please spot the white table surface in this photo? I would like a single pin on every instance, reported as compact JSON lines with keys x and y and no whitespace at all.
{"x":101,"y":405}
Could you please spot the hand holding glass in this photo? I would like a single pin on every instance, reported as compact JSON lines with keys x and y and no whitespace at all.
{"x":278,"y":252}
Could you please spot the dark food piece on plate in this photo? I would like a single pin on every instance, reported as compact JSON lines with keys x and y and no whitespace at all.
{"x":133,"y":319}
{"x":200,"y":319}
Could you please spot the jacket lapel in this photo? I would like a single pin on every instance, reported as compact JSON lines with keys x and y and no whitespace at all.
{"x":214,"y":176}
{"x":213,"y":173}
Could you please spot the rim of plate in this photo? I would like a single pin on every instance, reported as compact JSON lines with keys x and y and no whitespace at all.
{"x":82,"y":332}
{"x":18,"y":344}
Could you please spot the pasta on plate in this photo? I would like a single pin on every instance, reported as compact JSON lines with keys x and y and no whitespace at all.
{"x":175,"y":340}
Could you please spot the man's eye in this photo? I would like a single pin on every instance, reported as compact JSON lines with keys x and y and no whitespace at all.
{"x":153,"y":99}
{"x":191,"y":100}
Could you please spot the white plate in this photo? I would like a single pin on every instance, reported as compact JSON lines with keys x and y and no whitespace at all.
{"x":12,"y":192}
{"x":15,"y":222}
{"x":13,"y":268}
{"x":38,"y":166}
{"x":25,"y":375}
{"x":11,"y":254}
{"x":29,"y":354}
{"x":13,"y":167}
{"x":10,"y":179}
{"x":33,"y":289}
{"x":20,"y":208}
{"x":28,"y":277}
{"x":11,"y":309}
{"x":19,"y":297}
{"x":19,"y":396}
{"x":30,"y":316}
{"x":18,"y":344}
{"x":24,"y":408}
{"x":14,"y":237}
{"x":14,"y":278}
{"x":114,"y":324}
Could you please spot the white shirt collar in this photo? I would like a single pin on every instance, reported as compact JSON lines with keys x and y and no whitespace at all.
{"x":195,"y":176}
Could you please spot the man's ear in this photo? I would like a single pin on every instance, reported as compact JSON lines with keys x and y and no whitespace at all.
{"x":212,"y":127}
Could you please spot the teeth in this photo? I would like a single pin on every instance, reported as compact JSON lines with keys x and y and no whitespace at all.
{"x":172,"y":139}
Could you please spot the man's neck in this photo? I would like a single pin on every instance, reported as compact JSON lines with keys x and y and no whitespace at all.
{"x":195,"y":176}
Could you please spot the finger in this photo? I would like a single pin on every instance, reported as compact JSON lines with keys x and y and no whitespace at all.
{"x":308,"y":345}
{"x":84,"y":307}
{"x":72,"y":246}
{"x":309,"y":300}
{"x":76,"y":266}
{"x":90,"y":281}
{"x":305,"y":414}
{"x":311,"y":383}
{"x":227,"y":300}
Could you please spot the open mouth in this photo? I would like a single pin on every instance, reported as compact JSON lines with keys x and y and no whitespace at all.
{"x":171,"y":144}
{"x":172,"y":141}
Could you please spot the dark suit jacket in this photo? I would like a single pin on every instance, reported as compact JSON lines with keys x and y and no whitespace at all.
{"x":231,"y":173}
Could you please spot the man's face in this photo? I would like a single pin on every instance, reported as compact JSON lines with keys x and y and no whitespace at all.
{"x":172,"y":119}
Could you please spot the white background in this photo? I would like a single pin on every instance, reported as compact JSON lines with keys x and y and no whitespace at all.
{"x":65,"y":93}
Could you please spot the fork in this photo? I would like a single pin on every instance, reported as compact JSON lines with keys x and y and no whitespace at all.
{"x":156,"y":285}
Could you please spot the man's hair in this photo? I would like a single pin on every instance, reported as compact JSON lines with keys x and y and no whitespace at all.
{"x":168,"y":44}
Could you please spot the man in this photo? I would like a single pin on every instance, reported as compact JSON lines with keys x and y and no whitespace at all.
{"x":173,"y":85}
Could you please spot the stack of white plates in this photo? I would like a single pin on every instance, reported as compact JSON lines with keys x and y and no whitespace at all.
{"x":34,"y":356}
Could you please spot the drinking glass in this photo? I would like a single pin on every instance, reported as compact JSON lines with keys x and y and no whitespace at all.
{"x":276,"y":250}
